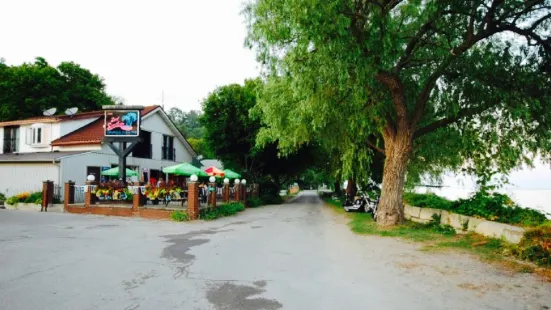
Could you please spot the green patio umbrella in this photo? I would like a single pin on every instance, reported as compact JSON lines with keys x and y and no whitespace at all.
{"x":185,"y":169}
{"x":231,"y":174}
{"x":114,"y":172}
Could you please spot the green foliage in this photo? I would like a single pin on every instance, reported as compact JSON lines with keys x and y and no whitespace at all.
{"x":253,"y":202}
{"x":2,"y":197}
{"x":430,"y":80}
{"x":427,"y":201}
{"x":498,"y":207}
{"x":179,"y":216}
{"x":12,"y":200}
{"x":535,"y":246}
{"x":35,"y":197}
{"x":230,"y":132}
{"x":188,"y":123}
{"x":490,"y":206}
{"x":223,"y":210}
{"x":201,"y":147}
{"x":269,"y":193}
{"x":29,"y":89}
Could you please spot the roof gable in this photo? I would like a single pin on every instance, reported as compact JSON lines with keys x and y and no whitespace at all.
{"x":92,"y":133}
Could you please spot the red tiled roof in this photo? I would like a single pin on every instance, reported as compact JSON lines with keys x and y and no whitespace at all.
{"x":64,"y":118}
{"x":91,"y":133}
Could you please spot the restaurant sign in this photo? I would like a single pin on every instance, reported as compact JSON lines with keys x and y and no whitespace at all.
{"x":122,"y":123}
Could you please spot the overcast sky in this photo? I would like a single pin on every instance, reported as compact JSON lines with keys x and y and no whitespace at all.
{"x":140,"y":48}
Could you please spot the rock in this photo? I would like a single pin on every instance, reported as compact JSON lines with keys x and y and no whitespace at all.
{"x":427,"y":213}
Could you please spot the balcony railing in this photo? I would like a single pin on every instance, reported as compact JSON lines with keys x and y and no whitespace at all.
{"x":10,"y":146}
{"x":169,"y":153}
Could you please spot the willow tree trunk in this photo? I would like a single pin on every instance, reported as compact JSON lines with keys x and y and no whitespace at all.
{"x":351,"y":188}
{"x":338,"y":190}
{"x":398,"y":150}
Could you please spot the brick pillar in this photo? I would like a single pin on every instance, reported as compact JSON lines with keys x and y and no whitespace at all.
{"x":47,"y":195}
{"x":69,"y":193}
{"x":237,"y":192}
{"x":89,"y":198}
{"x":243,"y":193}
{"x":136,"y":199}
{"x":226,"y":193}
{"x":213,"y":195}
{"x":193,"y":200}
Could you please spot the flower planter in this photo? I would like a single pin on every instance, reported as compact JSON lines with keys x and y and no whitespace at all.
{"x":23,"y":206}
{"x":33,"y":207}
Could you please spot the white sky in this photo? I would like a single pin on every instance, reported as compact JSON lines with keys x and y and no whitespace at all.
{"x":185,"y":47}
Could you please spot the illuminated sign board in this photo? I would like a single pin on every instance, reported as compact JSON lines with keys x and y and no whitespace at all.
{"x":122,"y":123}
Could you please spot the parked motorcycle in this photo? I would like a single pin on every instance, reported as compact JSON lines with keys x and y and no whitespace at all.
{"x":362,"y":204}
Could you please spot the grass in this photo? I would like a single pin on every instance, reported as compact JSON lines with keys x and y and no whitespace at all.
{"x":223,"y":210}
{"x":179,"y":216}
{"x":435,"y":237}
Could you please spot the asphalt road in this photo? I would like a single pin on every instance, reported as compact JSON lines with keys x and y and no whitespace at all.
{"x":299,"y":255}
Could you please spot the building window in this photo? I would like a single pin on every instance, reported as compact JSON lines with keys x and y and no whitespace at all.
{"x":169,"y":153}
{"x":143,"y":148}
{"x":11,"y":139}
{"x":35,"y":136}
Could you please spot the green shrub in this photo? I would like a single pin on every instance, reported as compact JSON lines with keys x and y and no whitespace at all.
{"x":223,"y":210}
{"x":269,"y":199}
{"x":253,"y":202}
{"x":2,"y":197}
{"x":427,"y":201}
{"x":535,"y":246}
{"x":35,"y":197}
{"x":490,"y":206}
{"x":12,"y":200}
{"x":180,"y":216}
{"x":497,"y":207}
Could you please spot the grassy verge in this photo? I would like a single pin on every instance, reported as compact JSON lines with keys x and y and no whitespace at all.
{"x":436,"y":237}
{"x":209,"y":214}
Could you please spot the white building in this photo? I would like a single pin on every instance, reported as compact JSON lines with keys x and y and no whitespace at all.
{"x":63,"y":148}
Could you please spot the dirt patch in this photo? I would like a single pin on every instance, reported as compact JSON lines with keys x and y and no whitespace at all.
{"x":407,"y":265}
{"x":228,"y":296}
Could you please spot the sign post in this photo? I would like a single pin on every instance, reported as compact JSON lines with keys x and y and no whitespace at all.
{"x":122,"y":125}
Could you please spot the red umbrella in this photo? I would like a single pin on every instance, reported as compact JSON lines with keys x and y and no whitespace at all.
{"x":213,"y":171}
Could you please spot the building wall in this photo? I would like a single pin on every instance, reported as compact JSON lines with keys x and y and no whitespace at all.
{"x":158,"y":127}
{"x":50,"y":129}
{"x":26,"y":177}
{"x":74,"y":167}
{"x":1,"y":140}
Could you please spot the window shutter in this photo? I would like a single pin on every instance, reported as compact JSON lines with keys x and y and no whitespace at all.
{"x":28,"y":138}
{"x":45,"y":135}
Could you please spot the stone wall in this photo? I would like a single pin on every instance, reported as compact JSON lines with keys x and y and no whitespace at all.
{"x":510,"y":233}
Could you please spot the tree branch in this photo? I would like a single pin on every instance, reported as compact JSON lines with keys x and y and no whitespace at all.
{"x":467,"y":112}
{"x":375,"y":147}
{"x":394,"y":85}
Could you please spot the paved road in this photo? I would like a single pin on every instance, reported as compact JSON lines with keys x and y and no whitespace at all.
{"x":294,"y":256}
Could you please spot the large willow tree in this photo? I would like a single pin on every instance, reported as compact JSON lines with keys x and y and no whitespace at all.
{"x":429,"y":84}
